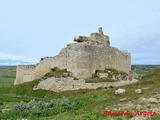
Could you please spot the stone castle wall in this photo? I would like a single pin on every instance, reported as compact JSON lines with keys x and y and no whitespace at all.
{"x":82,"y":59}
{"x":25,"y":73}
{"x":46,"y":64}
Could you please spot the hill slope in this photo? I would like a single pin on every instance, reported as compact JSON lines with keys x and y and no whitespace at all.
{"x":90,"y":103}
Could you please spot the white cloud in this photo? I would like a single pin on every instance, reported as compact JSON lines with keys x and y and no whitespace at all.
{"x":4,"y":64}
{"x":12,"y":57}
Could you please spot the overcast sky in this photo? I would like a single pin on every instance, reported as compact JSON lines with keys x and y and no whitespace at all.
{"x":32,"y":29}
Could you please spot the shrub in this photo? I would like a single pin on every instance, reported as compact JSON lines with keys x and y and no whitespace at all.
{"x":67,"y":104}
{"x":1,"y":103}
{"x":78,"y":40}
{"x":75,"y":78}
{"x":34,"y":106}
{"x":55,"y":69}
{"x":20,"y":107}
{"x":56,"y":72}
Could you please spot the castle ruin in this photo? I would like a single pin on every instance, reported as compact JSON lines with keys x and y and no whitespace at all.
{"x":82,"y":59}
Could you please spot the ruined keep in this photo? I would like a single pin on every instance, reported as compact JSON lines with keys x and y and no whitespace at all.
{"x":82,"y":59}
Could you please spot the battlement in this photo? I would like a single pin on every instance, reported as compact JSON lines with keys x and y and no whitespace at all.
{"x":26,"y":67}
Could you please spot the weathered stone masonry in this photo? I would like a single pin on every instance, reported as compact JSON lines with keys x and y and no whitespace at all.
{"x":82,"y":59}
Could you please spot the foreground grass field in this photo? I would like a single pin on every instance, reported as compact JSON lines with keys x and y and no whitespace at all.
{"x":79,"y":105}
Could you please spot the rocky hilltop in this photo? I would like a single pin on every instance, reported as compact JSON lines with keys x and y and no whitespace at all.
{"x":81,"y":59}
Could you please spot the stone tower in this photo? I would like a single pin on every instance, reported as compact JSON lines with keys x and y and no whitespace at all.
{"x":100,"y":30}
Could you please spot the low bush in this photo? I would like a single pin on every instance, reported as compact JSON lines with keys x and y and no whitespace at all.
{"x":1,"y":103}
{"x":67,"y":104}
{"x":75,"y":78}
{"x":78,"y":40}
{"x":34,"y":106}
{"x":40,"y":108}
{"x":56,"y":72}
{"x":54,"y":69}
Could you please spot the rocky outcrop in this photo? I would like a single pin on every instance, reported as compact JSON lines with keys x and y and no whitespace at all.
{"x":61,"y":80}
{"x":68,"y":83}
{"x":102,"y":75}
{"x":120,"y":91}
{"x":114,"y":75}
{"x":133,"y":75}
{"x":138,"y":91}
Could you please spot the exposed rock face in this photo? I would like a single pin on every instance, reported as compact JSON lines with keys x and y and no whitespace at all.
{"x":120,"y":91}
{"x":82,"y":59}
{"x":5,"y":110}
{"x":138,"y":90}
{"x":68,"y":83}
{"x":102,"y":75}
{"x":133,"y":75}
{"x":117,"y":76}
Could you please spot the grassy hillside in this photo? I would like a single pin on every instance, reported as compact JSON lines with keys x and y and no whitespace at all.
{"x":142,"y":70}
{"x":81,"y":104}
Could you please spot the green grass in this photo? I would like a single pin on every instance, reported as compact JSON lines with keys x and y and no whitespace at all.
{"x":7,"y":76}
{"x":140,"y":72}
{"x":92,"y":103}
{"x":112,"y":71}
{"x":97,"y":80}
{"x":56,"y":72}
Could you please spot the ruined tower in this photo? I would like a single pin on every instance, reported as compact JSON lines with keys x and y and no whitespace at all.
{"x":82,"y":59}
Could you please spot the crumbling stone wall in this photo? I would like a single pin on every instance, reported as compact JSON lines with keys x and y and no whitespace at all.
{"x":25,"y":73}
{"x":66,"y":84}
{"x":82,"y":59}
{"x":46,"y":64}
